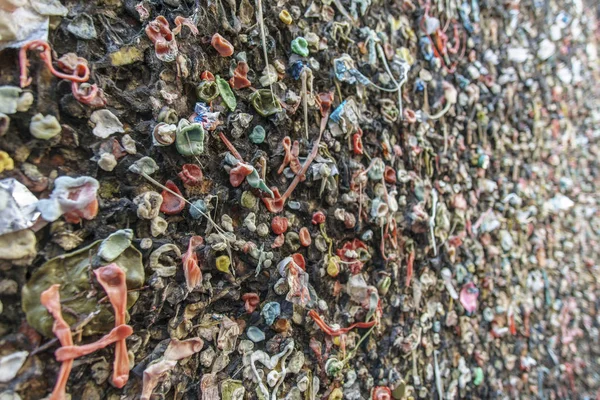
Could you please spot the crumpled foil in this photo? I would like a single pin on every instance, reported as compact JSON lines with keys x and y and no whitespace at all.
{"x":17,"y":207}
{"x":31,"y":22}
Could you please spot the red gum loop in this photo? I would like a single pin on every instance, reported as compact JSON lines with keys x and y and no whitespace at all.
{"x":207,"y":76}
{"x":171,"y":204}
{"x":382,"y":393}
{"x":299,"y":260}
{"x":223,"y":47}
{"x":389,"y":174}
{"x":193,"y":274}
{"x":305,"y":239}
{"x":318,"y":218}
{"x":239,"y":173}
{"x":279,"y":225}
{"x":191,"y":175}
{"x":240,"y":76}
{"x":251,"y":301}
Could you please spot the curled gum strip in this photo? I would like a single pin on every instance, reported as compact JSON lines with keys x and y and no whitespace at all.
{"x":81,"y":73}
{"x":113,"y":281}
{"x":50,"y":298}
{"x":337,"y":332}
{"x":69,"y":353}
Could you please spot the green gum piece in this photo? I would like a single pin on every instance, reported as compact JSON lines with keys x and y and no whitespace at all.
{"x":232,"y":390}
{"x":207,"y":91}
{"x":115,"y":244}
{"x":226,"y":93}
{"x":190,"y":138}
{"x":167,"y":115}
{"x":300,"y":46}
{"x":108,"y":189}
{"x":72,"y":272}
{"x":399,"y":391}
{"x":260,"y":395}
{"x":478,"y":379}
{"x":254,"y":180}
{"x":264,"y":102}
{"x":248,"y":200}
{"x":377,"y":169}
{"x":258,"y":135}
{"x":144,"y":165}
